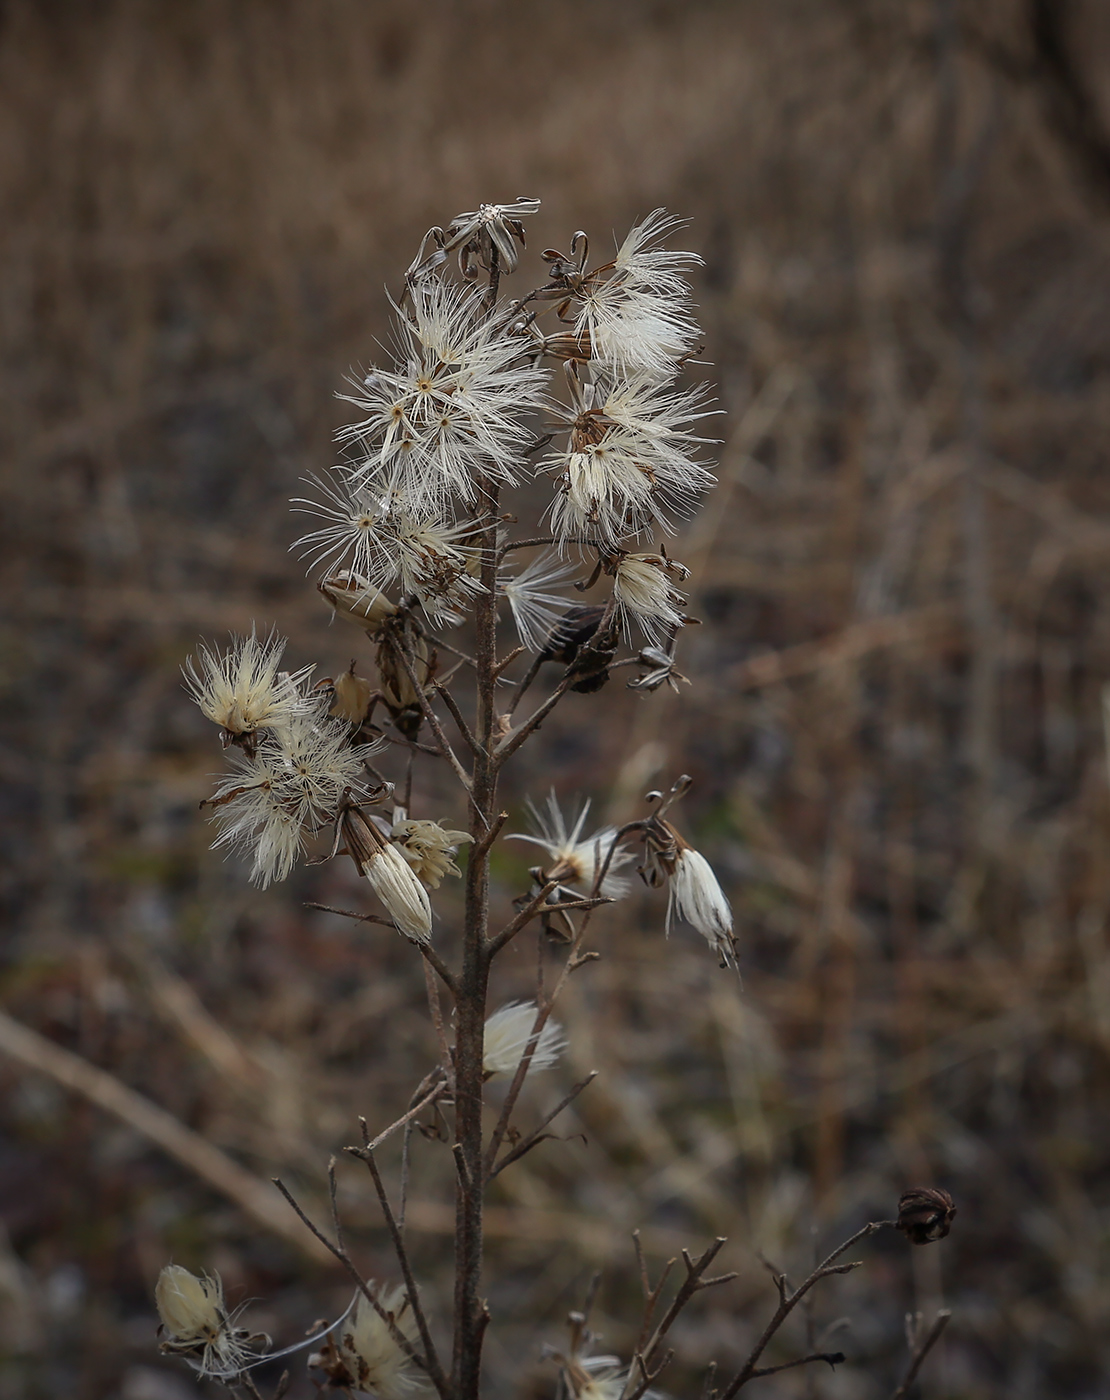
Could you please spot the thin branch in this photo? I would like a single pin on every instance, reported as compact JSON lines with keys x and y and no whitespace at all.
{"x":921,"y":1351}
{"x":429,"y":954}
{"x":360,"y":1283}
{"x":506,"y":661}
{"x":509,"y":745}
{"x":435,"y":1370}
{"x":418,"y":1108}
{"x":535,"y":906}
{"x":693,"y":1283}
{"x":538,"y":1134}
{"x":436,"y":1013}
{"x":498,"y":1135}
{"x":480,"y":847}
{"x":789,"y":1300}
{"x":457,"y":715}
{"x":834,"y":1359}
{"x":446,"y":751}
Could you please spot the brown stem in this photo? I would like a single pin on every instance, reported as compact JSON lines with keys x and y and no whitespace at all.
{"x":471,"y":1315}
{"x":693,"y":1283}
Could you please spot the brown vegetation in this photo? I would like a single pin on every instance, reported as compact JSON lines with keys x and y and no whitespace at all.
{"x":895,"y":726}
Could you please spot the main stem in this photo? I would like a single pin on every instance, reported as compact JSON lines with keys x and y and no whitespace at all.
{"x":470,"y":1003}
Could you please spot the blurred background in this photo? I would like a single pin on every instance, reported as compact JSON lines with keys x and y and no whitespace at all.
{"x":894,"y":725}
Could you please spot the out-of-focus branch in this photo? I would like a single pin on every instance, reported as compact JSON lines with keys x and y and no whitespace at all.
{"x":920,"y":1352}
{"x":224,"y":1175}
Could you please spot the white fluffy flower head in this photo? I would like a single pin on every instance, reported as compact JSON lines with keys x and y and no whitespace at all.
{"x":195,"y":1321}
{"x":371,"y":1353}
{"x":243,"y":691}
{"x":573,"y":861}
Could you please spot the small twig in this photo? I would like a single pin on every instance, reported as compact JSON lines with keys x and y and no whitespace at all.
{"x":543,"y":1011}
{"x":481,"y":846}
{"x":693,"y":1283}
{"x":385,"y":1133}
{"x":921,"y":1351}
{"x":536,"y":906}
{"x":351,"y":914}
{"x":406,"y":1147}
{"x":426,"y":709}
{"x":360,"y":1283}
{"x":788,"y":1300}
{"x":834,"y":1359}
{"x":457,"y":715}
{"x":435,"y":1370}
{"x":436,"y":1012}
{"x":524,"y":682}
{"x":333,"y":1196}
{"x":428,"y":953}
{"x":509,"y":745}
{"x":506,"y":661}
{"x":538,"y":1134}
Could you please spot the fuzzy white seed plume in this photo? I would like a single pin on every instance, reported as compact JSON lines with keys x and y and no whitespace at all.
{"x":290,"y":785}
{"x":535,"y":609}
{"x":243,"y":690}
{"x":195,"y":1321}
{"x":371,"y":1353}
{"x":697,"y":897}
{"x":636,"y":310}
{"x":507,"y":1035}
{"x":574,"y":861}
{"x":645,"y":593}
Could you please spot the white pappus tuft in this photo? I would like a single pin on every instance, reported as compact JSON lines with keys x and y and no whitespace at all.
{"x":243,"y":691}
{"x":576,"y":862}
{"x":535,"y":610}
{"x":507,"y":1036}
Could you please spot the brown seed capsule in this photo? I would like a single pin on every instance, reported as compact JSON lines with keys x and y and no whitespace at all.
{"x":925,"y":1213}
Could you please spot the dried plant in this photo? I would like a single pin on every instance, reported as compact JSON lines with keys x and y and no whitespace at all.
{"x":418,"y":543}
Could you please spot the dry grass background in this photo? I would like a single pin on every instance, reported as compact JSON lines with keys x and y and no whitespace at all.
{"x":894,"y":727}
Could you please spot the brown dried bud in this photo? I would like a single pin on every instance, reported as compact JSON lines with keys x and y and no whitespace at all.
{"x":925,"y":1213}
{"x":573,"y":630}
{"x":352,"y":697}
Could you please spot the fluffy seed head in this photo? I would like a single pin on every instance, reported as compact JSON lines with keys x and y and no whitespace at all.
{"x":507,"y":1034}
{"x":390,"y":875}
{"x":644,"y":590}
{"x":373,"y":1356}
{"x":291,"y":784}
{"x":195,"y":1321}
{"x":243,"y":690}
{"x":696,"y":896}
{"x":574,"y":861}
{"x":429,"y":848}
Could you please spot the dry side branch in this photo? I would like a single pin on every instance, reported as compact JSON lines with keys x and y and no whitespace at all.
{"x":789,"y":1300}
{"x":920,"y":1352}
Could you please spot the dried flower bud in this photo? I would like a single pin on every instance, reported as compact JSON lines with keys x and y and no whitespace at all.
{"x":572,"y":632}
{"x":507,"y":1034}
{"x":352,"y":697}
{"x":357,"y":600}
{"x":695,"y":894}
{"x":390,"y":875}
{"x":925,"y":1214}
{"x":196,"y":1322}
{"x":429,"y":848}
